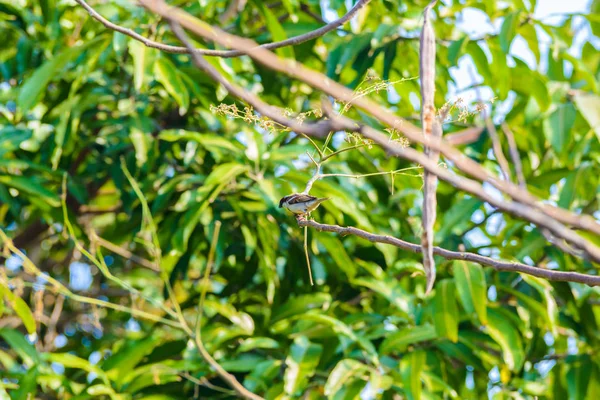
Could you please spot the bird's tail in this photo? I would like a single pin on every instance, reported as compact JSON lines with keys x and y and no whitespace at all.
{"x":322,"y":199}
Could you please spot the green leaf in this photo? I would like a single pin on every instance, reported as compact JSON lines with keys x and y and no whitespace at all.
{"x":557,"y":127}
{"x":445,"y":311}
{"x":508,"y":30}
{"x":262,"y":374}
{"x":21,"y":346}
{"x":300,"y":304}
{"x":71,"y":361}
{"x":341,"y":328}
{"x":589,"y":106}
{"x":344,"y":371}
{"x":27,"y":386}
{"x":168,"y":75}
{"x":388,"y":59}
{"x":578,"y":379}
{"x":52,"y":69}
{"x":300,"y":364}
{"x":457,"y":218}
{"x":411,"y":368}
{"x":390,"y":289}
{"x":456,"y":48}
{"x":20,"y":307}
{"x":224,"y":173}
{"x":241,"y":319}
{"x":277,"y":32}
{"x":31,"y":187}
{"x":141,"y":144}
{"x":24,"y":312}
{"x":472,"y":288}
{"x":126,"y":358}
{"x":258,"y":343}
{"x":335,"y":249}
{"x":141,"y":56}
{"x":507,"y":336}
{"x":400,"y":340}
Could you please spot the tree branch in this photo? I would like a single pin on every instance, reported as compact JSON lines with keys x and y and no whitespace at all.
{"x":590,"y":280}
{"x":532,"y":211}
{"x":431,"y":127}
{"x":514,"y":155}
{"x":342,"y":93}
{"x":224,"y":53}
{"x":471,"y":186}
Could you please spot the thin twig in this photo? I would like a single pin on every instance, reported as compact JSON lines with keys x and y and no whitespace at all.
{"x":59,"y":300}
{"x":123,"y":252}
{"x":99,"y":261}
{"x":30,"y":267}
{"x":497,"y":146}
{"x":207,"y":271}
{"x":465,"y":136}
{"x":306,"y":254}
{"x":491,"y":128}
{"x":590,"y":280}
{"x":514,"y":155}
{"x":224,"y":53}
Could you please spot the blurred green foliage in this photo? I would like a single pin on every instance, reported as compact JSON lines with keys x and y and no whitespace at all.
{"x":81,"y":101}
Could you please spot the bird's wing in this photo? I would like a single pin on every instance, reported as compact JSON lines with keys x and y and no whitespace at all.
{"x":301,"y":198}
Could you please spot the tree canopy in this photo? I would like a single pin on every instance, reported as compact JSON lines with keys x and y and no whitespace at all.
{"x":144,"y":152}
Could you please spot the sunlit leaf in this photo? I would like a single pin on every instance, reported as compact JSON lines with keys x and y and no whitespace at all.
{"x":471,"y":288}
{"x":300,"y":364}
{"x":445,"y":310}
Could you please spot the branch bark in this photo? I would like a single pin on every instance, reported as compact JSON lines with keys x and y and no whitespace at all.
{"x":224,"y":53}
{"x":344,"y":94}
{"x":590,"y":280}
{"x":431,"y":126}
{"x":336,"y":122}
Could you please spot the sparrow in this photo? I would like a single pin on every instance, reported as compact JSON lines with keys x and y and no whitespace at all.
{"x":300,"y":203}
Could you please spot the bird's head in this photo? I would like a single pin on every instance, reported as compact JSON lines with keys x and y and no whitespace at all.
{"x":283,"y":200}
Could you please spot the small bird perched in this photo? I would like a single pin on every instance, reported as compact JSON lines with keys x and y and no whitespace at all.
{"x":300,"y":203}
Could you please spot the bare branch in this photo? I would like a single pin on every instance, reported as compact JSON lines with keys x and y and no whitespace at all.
{"x":430,"y":127}
{"x":491,"y":128}
{"x":342,"y":93}
{"x":471,"y":186}
{"x":590,"y":280}
{"x":318,"y":129}
{"x":465,"y":136}
{"x":58,"y":287}
{"x":224,"y":53}
{"x":498,"y":149}
{"x":514,"y":155}
{"x":123,"y":252}
{"x":532,"y":210}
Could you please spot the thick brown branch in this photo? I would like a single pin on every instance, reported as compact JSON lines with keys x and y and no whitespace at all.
{"x":591,"y":280}
{"x":224,"y":53}
{"x":465,"y":136}
{"x":430,"y":127}
{"x":527,"y":211}
{"x":471,"y":186}
{"x":339,"y":122}
{"x":319,"y":129}
{"x":344,"y":94}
